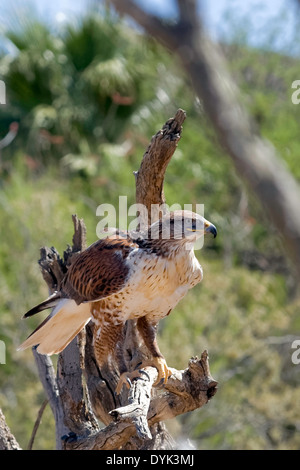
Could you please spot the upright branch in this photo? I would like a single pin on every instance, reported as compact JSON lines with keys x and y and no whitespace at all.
{"x":150,"y":176}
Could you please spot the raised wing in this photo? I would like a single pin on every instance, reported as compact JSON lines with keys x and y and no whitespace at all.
{"x":99,"y":271}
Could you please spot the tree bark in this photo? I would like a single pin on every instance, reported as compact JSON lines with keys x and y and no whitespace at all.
{"x":7,"y":440}
{"x":185,"y":391}
{"x":150,"y":176}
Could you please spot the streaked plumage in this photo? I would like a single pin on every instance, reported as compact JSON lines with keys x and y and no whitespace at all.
{"x":117,"y":279}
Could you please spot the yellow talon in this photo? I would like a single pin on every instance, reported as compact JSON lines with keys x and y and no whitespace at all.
{"x":125,"y":379}
{"x":158,"y":362}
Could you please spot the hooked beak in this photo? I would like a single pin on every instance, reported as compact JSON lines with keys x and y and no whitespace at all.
{"x":210,"y":228}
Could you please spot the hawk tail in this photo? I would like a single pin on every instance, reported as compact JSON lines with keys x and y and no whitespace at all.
{"x":52,"y":301}
{"x":62,"y":325}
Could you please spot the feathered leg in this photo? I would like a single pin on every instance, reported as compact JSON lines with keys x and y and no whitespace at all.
{"x":148,"y":333}
{"x":106,"y":339}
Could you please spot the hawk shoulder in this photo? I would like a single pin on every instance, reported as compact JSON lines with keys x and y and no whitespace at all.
{"x":99,"y":271}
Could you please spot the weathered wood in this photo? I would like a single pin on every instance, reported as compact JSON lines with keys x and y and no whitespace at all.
{"x":185,"y":391}
{"x":150,"y":176}
{"x":37,"y":423}
{"x":47,"y":377}
{"x":192,"y":389}
{"x":78,"y":415}
{"x":7,"y":440}
{"x":138,"y":403}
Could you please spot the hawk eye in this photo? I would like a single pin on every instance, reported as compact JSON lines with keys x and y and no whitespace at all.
{"x":194,"y":224}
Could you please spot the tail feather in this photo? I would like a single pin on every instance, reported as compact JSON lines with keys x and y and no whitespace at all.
{"x":59,"y":328}
{"x":52,"y":301}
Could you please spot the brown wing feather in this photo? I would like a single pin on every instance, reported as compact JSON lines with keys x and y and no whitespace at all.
{"x":98,"y":271}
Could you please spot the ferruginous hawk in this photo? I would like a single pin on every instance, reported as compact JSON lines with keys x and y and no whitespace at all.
{"x":119,"y":278}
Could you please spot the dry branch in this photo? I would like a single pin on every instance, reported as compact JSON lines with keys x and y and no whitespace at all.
{"x":150,"y":176}
{"x":185,"y":391}
{"x":138,"y":403}
{"x":47,"y":377}
{"x":37,"y":423}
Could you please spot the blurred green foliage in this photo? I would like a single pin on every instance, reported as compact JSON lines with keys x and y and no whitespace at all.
{"x":88,"y":99}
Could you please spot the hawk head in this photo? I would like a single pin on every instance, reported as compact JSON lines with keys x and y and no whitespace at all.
{"x":181,"y":225}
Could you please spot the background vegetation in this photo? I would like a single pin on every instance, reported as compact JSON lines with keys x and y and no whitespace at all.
{"x":87,"y":99}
